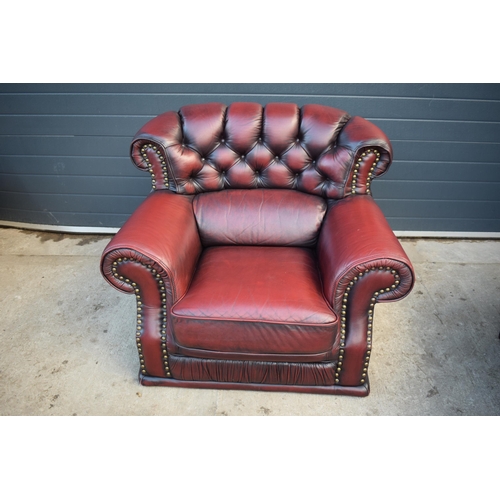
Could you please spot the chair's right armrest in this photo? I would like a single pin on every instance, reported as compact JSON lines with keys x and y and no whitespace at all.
{"x":356,"y":239}
{"x":361,"y":263}
{"x":162,"y":236}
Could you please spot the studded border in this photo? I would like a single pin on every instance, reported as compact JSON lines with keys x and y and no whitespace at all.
{"x":140,"y":326}
{"x":343,"y":313}
{"x":156,"y":149}
{"x":370,"y":176}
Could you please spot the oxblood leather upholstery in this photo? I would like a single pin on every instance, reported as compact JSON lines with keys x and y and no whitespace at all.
{"x":259,"y":256}
{"x":258,"y":303}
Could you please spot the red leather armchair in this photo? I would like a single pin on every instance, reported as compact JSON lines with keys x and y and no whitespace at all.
{"x":259,"y":256}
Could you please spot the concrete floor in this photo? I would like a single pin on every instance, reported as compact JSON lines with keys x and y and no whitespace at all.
{"x":67,"y":339}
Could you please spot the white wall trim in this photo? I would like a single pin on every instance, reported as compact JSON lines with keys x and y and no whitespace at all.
{"x":448,"y":234}
{"x":113,"y":230}
{"x":60,"y":229}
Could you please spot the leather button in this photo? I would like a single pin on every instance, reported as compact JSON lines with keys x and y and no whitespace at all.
{"x":203,"y":159}
{"x":242,"y":157}
{"x":276,"y":158}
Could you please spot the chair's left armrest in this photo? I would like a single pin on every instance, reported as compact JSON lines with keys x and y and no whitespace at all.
{"x":162,"y":235}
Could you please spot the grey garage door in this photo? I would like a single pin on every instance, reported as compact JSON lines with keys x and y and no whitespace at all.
{"x":64,"y":148}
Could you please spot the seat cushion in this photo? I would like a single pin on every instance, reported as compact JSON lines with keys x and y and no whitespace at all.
{"x":252,"y":302}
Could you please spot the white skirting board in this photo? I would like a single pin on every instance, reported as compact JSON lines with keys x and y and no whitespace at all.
{"x":114,"y":230}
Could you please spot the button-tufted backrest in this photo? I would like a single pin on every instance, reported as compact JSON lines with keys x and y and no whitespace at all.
{"x":210,"y":147}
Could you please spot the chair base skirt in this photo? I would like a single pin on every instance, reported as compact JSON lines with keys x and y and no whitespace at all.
{"x":359,"y":391}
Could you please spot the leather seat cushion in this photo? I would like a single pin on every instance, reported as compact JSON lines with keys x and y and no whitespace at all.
{"x":257,"y":300}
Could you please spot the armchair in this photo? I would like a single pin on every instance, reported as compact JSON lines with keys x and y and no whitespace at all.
{"x":259,"y":256}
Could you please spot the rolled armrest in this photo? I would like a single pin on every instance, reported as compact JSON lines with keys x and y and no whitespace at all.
{"x":356,"y":241}
{"x":162,"y":235}
{"x":370,"y":154}
{"x":149,"y":148}
{"x":359,"y":133}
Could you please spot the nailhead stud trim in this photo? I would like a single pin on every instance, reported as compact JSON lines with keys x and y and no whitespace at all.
{"x":144,"y":151}
{"x":370,"y":176}
{"x":163,"y":314}
{"x":371,"y":307}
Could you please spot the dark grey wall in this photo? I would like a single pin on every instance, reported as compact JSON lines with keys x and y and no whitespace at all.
{"x":64,"y":147}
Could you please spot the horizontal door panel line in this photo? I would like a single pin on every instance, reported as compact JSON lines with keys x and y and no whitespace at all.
{"x":67,"y":156}
{"x":395,"y":162}
{"x":77,"y":194}
{"x":422,"y":200}
{"x":428,"y":181}
{"x":151,"y":116}
{"x":142,"y":176}
{"x":91,"y":176}
{"x":256,"y":94}
{"x":103,"y":137}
